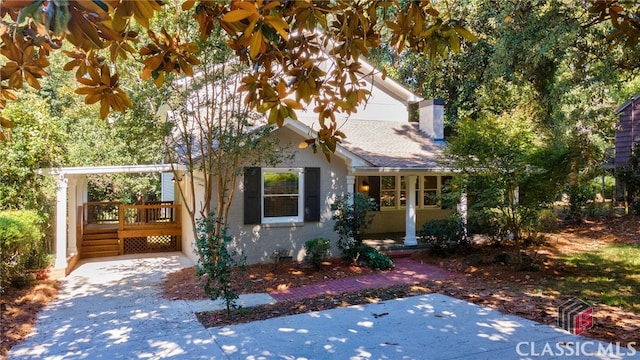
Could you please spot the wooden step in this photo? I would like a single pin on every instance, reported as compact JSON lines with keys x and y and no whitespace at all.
{"x":96,"y":246}
{"x":110,"y":247}
{"x":86,"y":237}
{"x":100,"y":242}
{"x":94,"y":254}
{"x":100,"y":229}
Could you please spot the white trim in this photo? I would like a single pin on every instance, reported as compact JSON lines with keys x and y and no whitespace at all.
{"x":88,"y":170}
{"x":389,"y":85}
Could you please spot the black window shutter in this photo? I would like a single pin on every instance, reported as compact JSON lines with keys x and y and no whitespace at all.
{"x":252,"y":195}
{"x":374,"y":189}
{"x":312,"y":194}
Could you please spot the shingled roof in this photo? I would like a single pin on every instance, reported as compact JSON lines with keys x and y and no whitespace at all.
{"x":392,"y":144}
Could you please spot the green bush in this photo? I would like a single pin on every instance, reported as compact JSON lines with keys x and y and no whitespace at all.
{"x":352,"y":215}
{"x":547,"y":221}
{"x":317,"y":250}
{"x":21,"y":245}
{"x":217,"y":262}
{"x":365,"y":255}
{"x":445,"y":236}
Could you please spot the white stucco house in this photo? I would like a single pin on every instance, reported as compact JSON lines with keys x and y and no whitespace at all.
{"x":385,"y":155}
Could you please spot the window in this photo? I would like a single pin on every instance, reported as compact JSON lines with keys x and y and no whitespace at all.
{"x":388,"y":191}
{"x":430,"y":190}
{"x":282,"y":195}
{"x":393,"y":191}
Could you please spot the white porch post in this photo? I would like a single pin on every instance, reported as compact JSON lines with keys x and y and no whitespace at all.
{"x":462,"y":210}
{"x":410,"y":218}
{"x":83,"y":194}
{"x":72,"y":247}
{"x":351,"y":181}
{"x":61,"y":223}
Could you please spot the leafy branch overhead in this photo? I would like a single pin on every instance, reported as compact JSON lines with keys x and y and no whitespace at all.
{"x":282,"y":41}
{"x":303,"y":54}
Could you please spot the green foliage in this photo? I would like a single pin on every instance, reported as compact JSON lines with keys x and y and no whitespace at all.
{"x":352,"y":216}
{"x":36,"y":142}
{"x":445,"y":236}
{"x":317,"y":250}
{"x":22,"y":245}
{"x":547,"y":221}
{"x":630,"y":177}
{"x":216,"y":263}
{"x":580,"y":195}
{"x":373,"y":258}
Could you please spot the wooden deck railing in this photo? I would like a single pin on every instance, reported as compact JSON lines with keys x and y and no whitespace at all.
{"x":102,"y":212}
{"x":143,"y":228}
{"x":148,"y":216}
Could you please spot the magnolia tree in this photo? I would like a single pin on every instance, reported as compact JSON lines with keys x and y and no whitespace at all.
{"x":282,"y":42}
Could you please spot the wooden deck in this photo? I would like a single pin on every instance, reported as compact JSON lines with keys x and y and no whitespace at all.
{"x":111,"y":229}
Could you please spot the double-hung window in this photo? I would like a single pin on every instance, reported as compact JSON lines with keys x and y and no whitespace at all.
{"x":282,"y":194}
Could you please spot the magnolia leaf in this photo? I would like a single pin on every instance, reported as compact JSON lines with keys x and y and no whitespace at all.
{"x":6,"y":123}
{"x":466,"y":34}
{"x":237,"y":15}
{"x":255,"y":44}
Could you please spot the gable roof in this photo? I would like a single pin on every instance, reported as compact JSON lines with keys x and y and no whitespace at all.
{"x":392,"y":144}
{"x":626,"y":104}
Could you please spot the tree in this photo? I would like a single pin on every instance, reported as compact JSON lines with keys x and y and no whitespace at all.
{"x":215,"y":133}
{"x":281,"y":42}
{"x":538,"y":58}
{"x":496,"y":156}
{"x":37,"y":144}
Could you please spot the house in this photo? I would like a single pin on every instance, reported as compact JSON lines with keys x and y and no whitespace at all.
{"x":385,"y":155}
{"x":627,"y":131}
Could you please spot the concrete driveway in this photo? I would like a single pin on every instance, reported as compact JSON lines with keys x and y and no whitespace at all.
{"x":111,"y":309}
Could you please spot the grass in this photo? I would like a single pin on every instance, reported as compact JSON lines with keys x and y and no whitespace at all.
{"x":608,"y":275}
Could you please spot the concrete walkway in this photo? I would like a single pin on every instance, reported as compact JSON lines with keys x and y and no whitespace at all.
{"x":111,"y":309}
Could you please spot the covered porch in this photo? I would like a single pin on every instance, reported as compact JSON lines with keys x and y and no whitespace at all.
{"x":92,"y":229}
{"x":406,"y":199}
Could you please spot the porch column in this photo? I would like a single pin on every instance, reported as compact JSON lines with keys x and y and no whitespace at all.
{"x":61,"y":223}
{"x":410,"y":218}
{"x":83,"y":195}
{"x":351,"y":182}
{"x":462,"y":210}
{"x":72,"y":247}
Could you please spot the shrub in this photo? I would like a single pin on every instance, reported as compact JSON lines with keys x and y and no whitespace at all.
{"x":317,"y":250}
{"x":21,"y":245}
{"x":547,"y":221}
{"x":217,"y":262}
{"x":352,"y":218}
{"x":445,"y":236}
{"x":365,"y":255}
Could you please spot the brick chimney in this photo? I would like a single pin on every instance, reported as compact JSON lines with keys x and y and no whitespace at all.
{"x":432,"y":118}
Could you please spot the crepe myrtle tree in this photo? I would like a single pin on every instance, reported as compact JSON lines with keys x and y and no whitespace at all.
{"x":281,"y":42}
{"x":215,"y":134}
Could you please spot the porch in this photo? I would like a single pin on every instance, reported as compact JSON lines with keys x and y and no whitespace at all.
{"x":112,"y":228}
{"x":84,"y":229}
